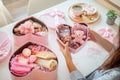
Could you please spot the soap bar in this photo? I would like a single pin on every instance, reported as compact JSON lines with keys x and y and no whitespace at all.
{"x":46,"y":55}
{"x":50,"y":64}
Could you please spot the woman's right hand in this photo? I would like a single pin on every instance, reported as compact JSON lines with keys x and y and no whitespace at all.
{"x":65,"y":50}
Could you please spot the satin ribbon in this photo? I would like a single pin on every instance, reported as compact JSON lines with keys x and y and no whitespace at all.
{"x":106,"y":33}
{"x":56,"y":14}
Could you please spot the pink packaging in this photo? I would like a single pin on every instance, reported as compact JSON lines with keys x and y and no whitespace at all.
{"x":30,"y":37}
{"x":36,"y":73}
{"x":110,"y":35}
{"x":86,"y":33}
{"x":53,"y":18}
{"x":5,"y":46}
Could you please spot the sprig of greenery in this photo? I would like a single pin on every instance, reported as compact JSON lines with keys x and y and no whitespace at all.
{"x":112,"y":14}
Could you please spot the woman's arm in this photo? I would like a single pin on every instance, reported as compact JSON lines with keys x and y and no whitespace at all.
{"x":74,"y":73}
{"x":101,"y":41}
{"x":67,"y":55}
{"x":94,"y":37}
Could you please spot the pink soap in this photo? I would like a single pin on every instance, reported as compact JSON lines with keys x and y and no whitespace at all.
{"x":26,"y":27}
{"x":32,"y":58}
{"x":22,"y":65}
{"x":19,"y":69}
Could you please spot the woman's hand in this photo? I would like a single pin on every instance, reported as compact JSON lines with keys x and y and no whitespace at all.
{"x":67,"y":55}
{"x":65,"y":50}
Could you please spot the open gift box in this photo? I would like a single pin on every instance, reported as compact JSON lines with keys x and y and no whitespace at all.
{"x":33,"y":62}
{"x":30,"y":30}
{"x":76,"y":36}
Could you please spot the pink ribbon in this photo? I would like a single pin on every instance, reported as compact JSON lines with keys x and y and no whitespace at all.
{"x":55,"y":13}
{"x":26,"y":27}
{"x":3,"y":49}
{"x":20,"y":68}
{"x":106,"y":32}
{"x":89,"y":9}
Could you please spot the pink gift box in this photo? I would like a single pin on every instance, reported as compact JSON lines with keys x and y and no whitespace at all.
{"x":110,"y":35}
{"x":30,"y":37}
{"x":36,"y":73}
{"x":5,"y":46}
{"x":87,"y":37}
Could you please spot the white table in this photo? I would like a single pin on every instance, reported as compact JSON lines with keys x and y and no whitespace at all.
{"x":85,"y":60}
{"x":5,"y":16}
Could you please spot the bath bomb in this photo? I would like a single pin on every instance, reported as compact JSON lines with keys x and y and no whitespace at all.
{"x":26,"y":52}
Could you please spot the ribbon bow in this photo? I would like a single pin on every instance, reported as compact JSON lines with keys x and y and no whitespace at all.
{"x":105,"y":32}
{"x":57,"y":13}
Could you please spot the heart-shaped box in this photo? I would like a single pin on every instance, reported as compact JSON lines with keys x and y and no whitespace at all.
{"x":19,"y":69}
{"x":76,"y":35}
{"x":38,"y":37}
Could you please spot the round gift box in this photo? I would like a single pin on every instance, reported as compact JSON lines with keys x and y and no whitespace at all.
{"x":36,"y":73}
{"x":19,"y":40}
{"x":86,"y":33}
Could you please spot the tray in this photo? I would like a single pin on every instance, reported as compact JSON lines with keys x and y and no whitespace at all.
{"x":84,"y":18}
